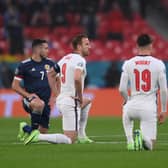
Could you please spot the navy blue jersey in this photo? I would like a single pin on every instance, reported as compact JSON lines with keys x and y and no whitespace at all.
{"x":34,"y":75}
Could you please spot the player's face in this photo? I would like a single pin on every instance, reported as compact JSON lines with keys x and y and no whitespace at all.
{"x":85,"y":47}
{"x":44,"y":50}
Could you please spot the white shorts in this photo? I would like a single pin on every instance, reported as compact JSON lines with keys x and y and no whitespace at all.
{"x":70,"y":115}
{"x":146,"y":113}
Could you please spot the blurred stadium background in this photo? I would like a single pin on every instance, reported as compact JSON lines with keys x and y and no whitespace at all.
{"x":112,"y":26}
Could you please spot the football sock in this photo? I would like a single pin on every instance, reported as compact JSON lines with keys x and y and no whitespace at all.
{"x":83,"y":121}
{"x":27,"y":129}
{"x":128,"y":128}
{"x":55,"y":138}
{"x":35,"y":120}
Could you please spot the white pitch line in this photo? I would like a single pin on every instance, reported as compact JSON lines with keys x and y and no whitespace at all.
{"x":118,"y":135}
{"x":109,"y":142}
{"x":39,"y":143}
{"x":102,"y":136}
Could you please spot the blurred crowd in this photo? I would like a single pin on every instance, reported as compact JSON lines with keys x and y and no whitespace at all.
{"x":55,"y":12}
{"x":17,"y":14}
{"x":101,"y":19}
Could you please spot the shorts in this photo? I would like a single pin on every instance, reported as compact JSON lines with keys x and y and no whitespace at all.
{"x":147,"y":115}
{"x":45,"y":117}
{"x":70,"y":115}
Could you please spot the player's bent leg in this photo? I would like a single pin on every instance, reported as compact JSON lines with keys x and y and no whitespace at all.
{"x":149,"y":131}
{"x":82,"y":137}
{"x":37,"y":105}
{"x":44,"y":121}
{"x":128,"y":129}
{"x":36,"y":136}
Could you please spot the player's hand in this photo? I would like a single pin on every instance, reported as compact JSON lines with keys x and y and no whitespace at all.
{"x":86,"y":101}
{"x":124,"y":103}
{"x":162,"y":118}
{"x":32,"y":95}
{"x":52,"y":101}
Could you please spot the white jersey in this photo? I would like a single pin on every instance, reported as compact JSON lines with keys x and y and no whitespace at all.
{"x":143,"y":73}
{"x":68,"y":64}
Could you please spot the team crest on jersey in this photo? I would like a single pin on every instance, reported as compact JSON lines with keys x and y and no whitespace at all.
{"x":33,"y":69}
{"x":80,"y":64}
{"x":47,"y":67}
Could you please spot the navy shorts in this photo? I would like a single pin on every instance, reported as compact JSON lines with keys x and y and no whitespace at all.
{"x":45,"y":117}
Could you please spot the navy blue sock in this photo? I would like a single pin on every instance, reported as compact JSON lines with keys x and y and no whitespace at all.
{"x":35,"y":120}
{"x":27,"y":129}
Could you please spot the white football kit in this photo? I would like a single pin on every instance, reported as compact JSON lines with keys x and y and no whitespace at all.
{"x":144,"y":75}
{"x":69,"y":107}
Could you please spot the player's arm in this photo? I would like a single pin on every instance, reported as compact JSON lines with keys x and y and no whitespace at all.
{"x":163,"y":96}
{"x":17,"y":87}
{"x":78,"y":84}
{"x":16,"y":83}
{"x":123,"y":87}
{"x":54,"y":81}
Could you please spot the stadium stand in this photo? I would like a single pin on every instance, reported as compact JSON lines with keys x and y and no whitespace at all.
{"x":115,"y":35}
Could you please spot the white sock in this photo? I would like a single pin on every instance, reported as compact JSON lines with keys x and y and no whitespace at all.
{"x":55,"y":138}
{"x":128,"y":128}
{"x":83,"y":121}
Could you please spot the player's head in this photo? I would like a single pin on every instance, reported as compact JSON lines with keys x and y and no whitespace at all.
{"x":81,"y":44}
{"x":144,"y":42}
{"x":40,"y":47}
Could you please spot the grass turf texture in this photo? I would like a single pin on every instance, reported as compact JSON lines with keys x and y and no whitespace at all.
{"x":108,"y":151}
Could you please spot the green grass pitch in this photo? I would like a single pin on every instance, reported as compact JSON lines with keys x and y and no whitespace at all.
{"x":109,"y":149}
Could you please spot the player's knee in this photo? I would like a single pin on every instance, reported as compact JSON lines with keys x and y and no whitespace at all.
{"x":38,"y":105}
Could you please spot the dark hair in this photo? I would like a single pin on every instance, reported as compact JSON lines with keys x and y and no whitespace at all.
{"x":78,"y":40}
{"x":37,"y":42}
{"x":143,"y":40}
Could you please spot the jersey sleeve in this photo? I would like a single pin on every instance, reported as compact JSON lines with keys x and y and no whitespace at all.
{"x":80,"y":64}
{"x":56,"y":68}
{"x":163,"y":87}
{"x":19,"y":72}
{"x":162,"y":68}
{"x":124,"y":67}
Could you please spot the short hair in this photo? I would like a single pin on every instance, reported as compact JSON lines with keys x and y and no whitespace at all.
{"x":144,"y":40}
{"x":78,"y":40}
{"x":37,"y":42}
